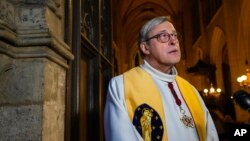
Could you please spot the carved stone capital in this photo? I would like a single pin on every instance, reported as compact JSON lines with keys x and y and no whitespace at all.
{"x":34,"y":24}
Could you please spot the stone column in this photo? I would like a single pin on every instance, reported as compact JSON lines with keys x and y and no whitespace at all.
{"x":33,"y":63}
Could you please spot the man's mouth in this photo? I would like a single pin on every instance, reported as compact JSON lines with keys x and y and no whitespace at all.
{"x":173,"y":51}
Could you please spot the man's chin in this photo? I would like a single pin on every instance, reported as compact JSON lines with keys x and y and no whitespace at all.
{"x":175,"y":61}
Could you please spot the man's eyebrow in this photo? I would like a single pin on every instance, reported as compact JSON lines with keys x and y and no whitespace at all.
{"x":162,"y":31}
{"x":165,"y":31}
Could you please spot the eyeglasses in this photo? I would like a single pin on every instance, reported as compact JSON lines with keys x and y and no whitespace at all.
{"x":164,"y":37}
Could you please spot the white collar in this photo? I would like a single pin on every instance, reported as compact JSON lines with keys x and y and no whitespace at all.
{"x":159,"y":75}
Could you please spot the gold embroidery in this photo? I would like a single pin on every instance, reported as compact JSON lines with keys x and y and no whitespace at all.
{"x":146,"y":124}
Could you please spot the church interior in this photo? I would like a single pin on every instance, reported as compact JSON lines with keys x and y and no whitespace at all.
{"x":57,"y":57}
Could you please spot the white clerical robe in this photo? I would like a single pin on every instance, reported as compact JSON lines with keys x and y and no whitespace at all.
{"x":118,"y":126}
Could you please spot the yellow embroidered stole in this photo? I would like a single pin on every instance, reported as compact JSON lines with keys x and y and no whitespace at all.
{"x":194,"y":106}
{"x":139,"y":89}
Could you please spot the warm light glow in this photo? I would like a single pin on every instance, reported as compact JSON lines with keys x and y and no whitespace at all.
{"x":205,"y":90}
{"x":244,"y":80}
{"x":218,"y":90}
{"x":212,"y":91}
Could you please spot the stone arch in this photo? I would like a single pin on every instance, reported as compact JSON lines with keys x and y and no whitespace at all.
{"x":243,"y":36}
{"x":242,"y":53}
{"x":218,"y":42}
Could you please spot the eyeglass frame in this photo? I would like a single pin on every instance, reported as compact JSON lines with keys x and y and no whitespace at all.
{"x":157,"y":36}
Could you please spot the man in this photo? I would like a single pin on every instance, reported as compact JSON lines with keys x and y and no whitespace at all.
{"x":151,"y":102}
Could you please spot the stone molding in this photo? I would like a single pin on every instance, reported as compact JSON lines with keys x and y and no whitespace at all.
{"x":27,"y":32}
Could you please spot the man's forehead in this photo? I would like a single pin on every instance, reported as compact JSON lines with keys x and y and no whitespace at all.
{"x":166,"y":27}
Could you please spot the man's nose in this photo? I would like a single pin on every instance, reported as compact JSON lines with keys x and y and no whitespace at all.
{"x":173,"y":40}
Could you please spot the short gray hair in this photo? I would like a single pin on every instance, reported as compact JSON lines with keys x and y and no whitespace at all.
{"x":143,"y":35}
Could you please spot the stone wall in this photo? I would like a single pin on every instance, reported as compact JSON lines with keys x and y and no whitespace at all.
{"x":33,"y":63}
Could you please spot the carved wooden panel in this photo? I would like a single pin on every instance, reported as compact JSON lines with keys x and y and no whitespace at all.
{"x":106,"y":32}
{"x":90,"y":20}
{"x":96,"y":54}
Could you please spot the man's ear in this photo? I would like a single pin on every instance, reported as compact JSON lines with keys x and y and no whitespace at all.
{"x":144,"y":48}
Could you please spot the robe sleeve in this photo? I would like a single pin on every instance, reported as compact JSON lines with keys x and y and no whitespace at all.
{"x":117,"y":124}
{"x":212,"y":134}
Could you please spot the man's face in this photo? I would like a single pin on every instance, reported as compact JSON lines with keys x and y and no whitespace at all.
{"x":162,"y":55}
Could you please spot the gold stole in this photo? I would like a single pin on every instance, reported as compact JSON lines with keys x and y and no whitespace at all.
{"x":139,"y":88}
